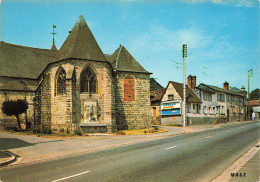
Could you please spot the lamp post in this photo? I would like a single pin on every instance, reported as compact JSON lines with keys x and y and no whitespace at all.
{"x":250,"y":74}
{"x":184,"y":54}
{"x":25,"y":90}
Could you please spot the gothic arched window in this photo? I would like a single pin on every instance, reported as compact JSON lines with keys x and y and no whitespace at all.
{"x":129,"y":89}
{"x":88,"y":81}
{"x":61,"y":82}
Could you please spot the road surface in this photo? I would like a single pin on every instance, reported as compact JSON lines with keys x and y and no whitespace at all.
{"x":197,"y":156}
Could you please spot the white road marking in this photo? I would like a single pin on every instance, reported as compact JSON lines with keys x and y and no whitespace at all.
{"x":71,"y":176}
{"x":208,"y":137}
{"x":170,"y":148}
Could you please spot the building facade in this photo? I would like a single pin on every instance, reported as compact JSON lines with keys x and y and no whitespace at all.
{"x":221,"y":105}
{"x":77,"y":85}
{"x":172,"y":105}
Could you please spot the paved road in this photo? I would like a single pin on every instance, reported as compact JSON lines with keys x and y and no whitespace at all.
{"x":197,"y":156}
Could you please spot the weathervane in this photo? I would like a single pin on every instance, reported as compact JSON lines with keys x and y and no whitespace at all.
{"x":53,"y":33}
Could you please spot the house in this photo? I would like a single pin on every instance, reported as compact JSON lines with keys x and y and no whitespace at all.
{"x":172,"y":103}
{"x":221,"y":103}
{"x":156,"y":98}
{"x":254,"y":109}
{"x":76,"y":86}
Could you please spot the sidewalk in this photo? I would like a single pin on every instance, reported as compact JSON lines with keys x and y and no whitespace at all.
{"x":29,"y":148}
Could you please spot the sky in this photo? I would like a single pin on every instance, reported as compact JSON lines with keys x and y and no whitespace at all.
{"x":222,"y":36}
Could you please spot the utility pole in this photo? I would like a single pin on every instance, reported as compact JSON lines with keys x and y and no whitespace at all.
{"x":250,"y":74}
{"x":184,"y":54}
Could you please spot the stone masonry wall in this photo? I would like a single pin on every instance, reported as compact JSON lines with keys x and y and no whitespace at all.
{"x":44,"y":104}
{"x":134,"y":114}
{"x":10,"y":121}
{"x":67,"y":108}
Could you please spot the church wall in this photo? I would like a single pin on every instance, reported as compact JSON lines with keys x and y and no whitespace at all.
{"x":104,"y":97}
{"x":10,"y":121}
{"x":135,"y":113}
{"x":67,"y":109}
{"x":45,"y":102}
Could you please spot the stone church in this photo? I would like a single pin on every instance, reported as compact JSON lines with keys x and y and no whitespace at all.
{"x":75,"y":86}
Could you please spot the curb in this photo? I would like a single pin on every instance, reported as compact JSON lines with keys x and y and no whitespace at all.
{"x":11,"y":159}
{"x":237,"y":165}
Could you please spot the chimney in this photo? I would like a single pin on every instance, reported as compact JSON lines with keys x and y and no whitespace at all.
{"x":192,"y":81}
{"x":243,"y":88}
{"x":226,"y":85}
{"x":189,"y":80}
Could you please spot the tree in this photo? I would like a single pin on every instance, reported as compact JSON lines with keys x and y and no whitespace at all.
{"x":255,"y":94}
{"x":15,"y":107}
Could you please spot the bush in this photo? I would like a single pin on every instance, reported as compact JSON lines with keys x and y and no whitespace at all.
{"x":156,"y":128}
{"x":13,"y":128}
{"x":120,"y":132}
{"x":78,"y":131}
{"x":68,"y":131}
{"x":46,"y":130}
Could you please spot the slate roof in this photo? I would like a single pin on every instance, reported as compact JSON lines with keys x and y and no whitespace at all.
{"x":190,"y":94}
{"x":81,"y":44}
{"x":18,"y":84}
{"x":24,"y":62}
{"x":217,"y":89}
{"x":157,"y":95}
{"x":154,"y":85}
{"x":122,"y":60}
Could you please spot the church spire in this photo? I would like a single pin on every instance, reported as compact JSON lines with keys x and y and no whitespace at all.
{"x":53,"y":41}
{"x":81,"y":44}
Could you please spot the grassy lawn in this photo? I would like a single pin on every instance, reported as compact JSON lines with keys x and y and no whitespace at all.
{"x":141,"y":131}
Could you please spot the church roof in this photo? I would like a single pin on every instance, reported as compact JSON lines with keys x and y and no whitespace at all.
{"x":122,"y":60}
{"x":28,"y":85}
{"x":81,"y":44}
{"x":25,"y":62}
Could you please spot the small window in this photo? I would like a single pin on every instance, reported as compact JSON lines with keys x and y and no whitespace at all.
{"x":205,"y":110}
{"x":170,"y":97}
{"x":207,"y":96}
{"x":188,"y":108}
{"x":198,"y":108}
{"x":233,"y":98}
{"x":221,"y":97}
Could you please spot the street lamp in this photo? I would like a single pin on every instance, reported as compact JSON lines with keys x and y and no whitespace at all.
{"x":25,"y":90}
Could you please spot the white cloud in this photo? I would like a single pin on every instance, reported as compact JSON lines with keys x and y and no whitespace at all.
{"x":159,"y":38}
{"x":237,"y":3}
